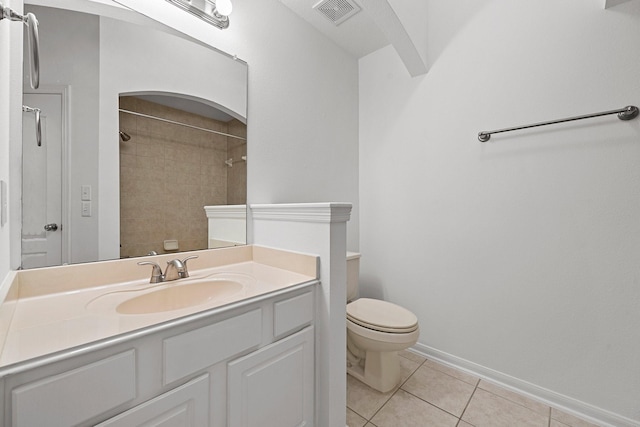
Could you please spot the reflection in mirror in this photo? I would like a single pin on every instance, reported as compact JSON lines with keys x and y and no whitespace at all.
{"x":173,"y":163}
{"x":109,"y":58}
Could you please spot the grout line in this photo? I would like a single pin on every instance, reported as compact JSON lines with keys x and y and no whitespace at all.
{"x":469,"y":401}
{"x":510,"y":400}
{"x":358,"y":414}
{"x":452,"y":376}
{"x":382,"y":406}
{"x":433,"y":404}
{"x":396,"y":390}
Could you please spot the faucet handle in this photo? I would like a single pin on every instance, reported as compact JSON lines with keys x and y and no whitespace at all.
{"x":156,"y":273}
{"x":184,"y":261}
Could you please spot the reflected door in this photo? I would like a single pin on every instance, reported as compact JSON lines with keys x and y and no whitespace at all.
{"x":42,"y":182}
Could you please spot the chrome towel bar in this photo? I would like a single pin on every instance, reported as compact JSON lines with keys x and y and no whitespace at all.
{"x":34,"y":40}
{"x":626,"y":113}
{"x":37,"y":112}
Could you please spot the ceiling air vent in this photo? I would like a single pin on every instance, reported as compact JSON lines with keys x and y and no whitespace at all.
{"x":337,"y":11}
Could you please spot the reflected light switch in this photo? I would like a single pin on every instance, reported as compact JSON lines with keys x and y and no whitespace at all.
{"x":85,"y":192}
{"x":86,"y":208}
{"x":3,"y":203}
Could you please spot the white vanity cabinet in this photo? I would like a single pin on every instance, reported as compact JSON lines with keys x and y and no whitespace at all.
{"x":247,"y":364}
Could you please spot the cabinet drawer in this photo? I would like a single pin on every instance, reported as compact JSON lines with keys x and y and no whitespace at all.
{"x":292,"y":314}
{"x":75,"y":396}
{"x":195,"y":350}
{"x":186,"y":406}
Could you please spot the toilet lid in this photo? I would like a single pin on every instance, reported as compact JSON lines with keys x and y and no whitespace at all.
{"x":381,"y":315}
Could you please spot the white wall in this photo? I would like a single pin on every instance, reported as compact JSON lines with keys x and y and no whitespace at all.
{"x":520,"y":254}
{"x":303,"y":110}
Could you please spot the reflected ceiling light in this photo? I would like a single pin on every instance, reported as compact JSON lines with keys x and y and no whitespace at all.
{"x":215,"y":12}
{"x":223,"y":7}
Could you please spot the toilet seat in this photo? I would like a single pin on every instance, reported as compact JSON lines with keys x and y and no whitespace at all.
{"x":381,"y":316}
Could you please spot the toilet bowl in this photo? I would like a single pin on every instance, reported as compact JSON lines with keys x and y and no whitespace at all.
{"x":376,"y":331}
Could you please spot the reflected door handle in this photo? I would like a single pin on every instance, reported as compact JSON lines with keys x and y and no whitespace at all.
{"x":51,"y":227}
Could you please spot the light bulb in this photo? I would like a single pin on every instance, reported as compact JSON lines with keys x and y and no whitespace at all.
{"x":224,"y":7}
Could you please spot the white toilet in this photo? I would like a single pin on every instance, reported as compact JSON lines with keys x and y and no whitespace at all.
{"x":376,"y":331}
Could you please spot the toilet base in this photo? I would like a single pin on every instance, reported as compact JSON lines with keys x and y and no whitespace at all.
{"x":381,"y":370}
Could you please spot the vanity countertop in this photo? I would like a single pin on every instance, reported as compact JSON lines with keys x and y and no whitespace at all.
{"x":54,"y":309}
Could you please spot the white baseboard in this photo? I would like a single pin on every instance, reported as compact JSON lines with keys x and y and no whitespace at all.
{"x":556,"y":400}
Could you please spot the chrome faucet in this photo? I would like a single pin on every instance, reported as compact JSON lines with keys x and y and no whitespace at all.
{"x":176,"y":269}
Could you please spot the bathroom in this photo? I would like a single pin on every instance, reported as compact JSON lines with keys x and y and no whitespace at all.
{"x":519,"y":255}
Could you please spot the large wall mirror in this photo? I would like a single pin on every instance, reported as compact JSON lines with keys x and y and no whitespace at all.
{"x":143,"y":133}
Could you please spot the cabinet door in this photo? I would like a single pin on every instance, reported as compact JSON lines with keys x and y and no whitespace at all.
{"x":184,"y":406}
{"x":274,"y":386}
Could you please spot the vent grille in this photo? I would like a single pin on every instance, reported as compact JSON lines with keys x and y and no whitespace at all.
{"x":337,"y":11}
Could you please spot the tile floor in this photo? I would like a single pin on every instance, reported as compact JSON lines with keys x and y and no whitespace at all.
{"x":432,"y":394}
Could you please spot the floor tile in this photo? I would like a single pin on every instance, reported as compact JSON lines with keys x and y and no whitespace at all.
{"x":488,"y":409}
{"x":555,"y":423}
{"x":568,"y":419}
{"x":364,"y":400}
{"x":406,"y":410}
{"x":354,"y":420}
{"x":535,"y":406}
{"x":463,"y":424}
{"x":412,"y":356}
{"x":407,"y":368}
{"x":463,"y":376}
{"x":442,"y":390}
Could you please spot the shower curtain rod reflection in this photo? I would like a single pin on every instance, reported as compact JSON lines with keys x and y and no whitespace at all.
{"x":627,"y":113}
{"x":181,"y":124}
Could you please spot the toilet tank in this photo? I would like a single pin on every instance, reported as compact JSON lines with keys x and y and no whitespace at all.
{"x":353,"y":275}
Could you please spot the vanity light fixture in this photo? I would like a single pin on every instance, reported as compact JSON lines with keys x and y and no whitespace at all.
{"x":215,"y":12}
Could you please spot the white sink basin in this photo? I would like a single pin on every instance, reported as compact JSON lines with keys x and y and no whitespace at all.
{"x":177,"y":296}
{"x":212,"y":290}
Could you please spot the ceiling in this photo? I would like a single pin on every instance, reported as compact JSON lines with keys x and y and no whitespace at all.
{"x":359,"y":35}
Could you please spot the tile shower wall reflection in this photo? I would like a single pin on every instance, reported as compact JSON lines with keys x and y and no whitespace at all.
{"x":168,"y":173}
{"x":237,"y":175}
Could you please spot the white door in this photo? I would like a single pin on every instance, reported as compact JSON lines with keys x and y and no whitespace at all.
{"x":42,"y":181}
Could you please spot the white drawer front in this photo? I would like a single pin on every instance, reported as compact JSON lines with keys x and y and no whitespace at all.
{"x":75,"y":396}
{"x":192,"y":351}
{"x":184,"y":406}
{"x":292,"y":314}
